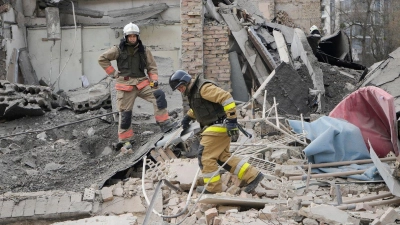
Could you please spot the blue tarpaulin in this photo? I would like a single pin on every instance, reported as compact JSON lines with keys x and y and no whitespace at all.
{"x":335,"y":140}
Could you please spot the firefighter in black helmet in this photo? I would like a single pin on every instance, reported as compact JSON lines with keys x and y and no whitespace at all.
{"x":215,"y":110}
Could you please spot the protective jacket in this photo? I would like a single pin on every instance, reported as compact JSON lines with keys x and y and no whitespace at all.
{"x":131,"y":63}
{"x":205,"y":111}
{"x":114,"y":54}
{"x":210,"y":105}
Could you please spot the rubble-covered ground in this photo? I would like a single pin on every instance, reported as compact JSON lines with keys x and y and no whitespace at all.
{"x":68,"y":158}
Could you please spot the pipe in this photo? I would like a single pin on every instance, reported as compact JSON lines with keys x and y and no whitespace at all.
{"x":369,"y":198}
{"x":334,"y":164}
{"x":376,"y":203}
{"x":338,"y":174}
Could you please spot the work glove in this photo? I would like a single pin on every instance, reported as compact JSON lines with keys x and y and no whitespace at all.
{"x":115,"y":75}
{"x":154,"y":84}
{"x":186,"y":122}
{"x":232,"y":127}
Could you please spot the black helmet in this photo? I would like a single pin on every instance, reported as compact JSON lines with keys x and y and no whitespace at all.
{"x":178,"y":78}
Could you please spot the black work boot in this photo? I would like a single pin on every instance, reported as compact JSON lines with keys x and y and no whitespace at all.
{"x":167,"y":125}
{"x":252,"y":185}
{"x":125,"y":144}
{"x":199,"y":189}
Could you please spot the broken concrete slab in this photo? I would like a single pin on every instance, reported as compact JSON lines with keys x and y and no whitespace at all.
{"x":267,"y":39}
{"x":238,"y":84}
{"x":25,"y":65}
{"x":290,"y":91}
{"x":300,"y":48}
{"x":328,"y":214}
{"x":92,"y":97}
{"x":287,"y":32}
{"x":392,"y":183}
{"x":282,"y":47}
{"x":386,"y":77}
{"x":175,"y":175}
{"x":240,"y":34}
{"x":262,"y":50}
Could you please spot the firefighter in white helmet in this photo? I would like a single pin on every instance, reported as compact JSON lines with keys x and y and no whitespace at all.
{"x":136,"y":76}
{"x":314,"y":30}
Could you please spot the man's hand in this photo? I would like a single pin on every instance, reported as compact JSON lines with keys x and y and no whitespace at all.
{"x":116,"y":74}
{"x":232,"y":127}
{"x":186,"y":122}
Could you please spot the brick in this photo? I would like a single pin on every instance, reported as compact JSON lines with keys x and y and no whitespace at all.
{"x":210,"y":215}
{"x":81,"y":207}
{"x":40,"y":207}
{"x":76,"y":197}
{"x":52,"y":205}
{"x":389,"y":216}
{"x":18,"y":210}
{"x":209,"y":32}
{"x":194,"y":13}
{"x":210,"y":40}
{"x":116,"y":206}
{"x":221,"y":32}
{"x":7,"y":209}
{"x":64,"y":204}
{"x":106,"y":194}
{"x":29,"y":209}
{"x":220,"y":36}
{"x":195,"y":21}
{"x":134,"y":205}
{"x":184,"y":43}
{"x":198,"y":43}
{"x":89,"y":194}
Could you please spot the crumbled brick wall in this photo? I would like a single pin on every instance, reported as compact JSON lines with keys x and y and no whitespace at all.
{"x":192,"y":36}
{"x":216,"y":58}
{"x":304,"y":13}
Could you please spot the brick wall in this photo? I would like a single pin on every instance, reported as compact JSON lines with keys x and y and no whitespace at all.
{"x":204,"y":46}
{"x":192,"y":36}
{"x":216,"y":61}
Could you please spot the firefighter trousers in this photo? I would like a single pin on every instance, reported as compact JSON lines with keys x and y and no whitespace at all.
{"x":214,"y":151}
{"x":125,"y":102}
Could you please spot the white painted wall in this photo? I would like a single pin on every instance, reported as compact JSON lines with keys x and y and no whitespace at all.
{"x":91,"y":41}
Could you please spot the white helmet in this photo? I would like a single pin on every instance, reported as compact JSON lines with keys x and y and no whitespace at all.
{"x":131,"y":28}
{"x":313,"y":28}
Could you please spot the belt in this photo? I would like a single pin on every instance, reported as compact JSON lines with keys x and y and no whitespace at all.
{"x":219,"y":121}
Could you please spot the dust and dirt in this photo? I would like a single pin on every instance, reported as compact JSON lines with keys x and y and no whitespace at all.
{"x":77,"y":155}
{"x":70,"y":158}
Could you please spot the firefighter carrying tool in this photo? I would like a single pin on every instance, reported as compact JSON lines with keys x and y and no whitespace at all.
{"x":215,"y":110}
{"x":133,"y":60}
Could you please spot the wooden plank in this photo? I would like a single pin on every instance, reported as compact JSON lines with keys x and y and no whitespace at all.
{"x":170,"y":154}
{"x":163,"y":154}
{"x":156,"y":156}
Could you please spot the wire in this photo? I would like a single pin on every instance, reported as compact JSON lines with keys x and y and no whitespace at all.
{"x":72,"y":51}
{"x":62,"y":125}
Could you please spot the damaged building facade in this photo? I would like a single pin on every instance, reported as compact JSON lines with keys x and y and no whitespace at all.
{"x":294,"y":95}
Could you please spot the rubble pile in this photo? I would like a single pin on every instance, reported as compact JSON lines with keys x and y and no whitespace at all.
{"x":59,"y":172}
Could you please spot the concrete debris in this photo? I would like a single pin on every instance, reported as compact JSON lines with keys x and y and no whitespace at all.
{"x":19,"y":100}
{"x":93,"y":97}
{"x":275,"y":72}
